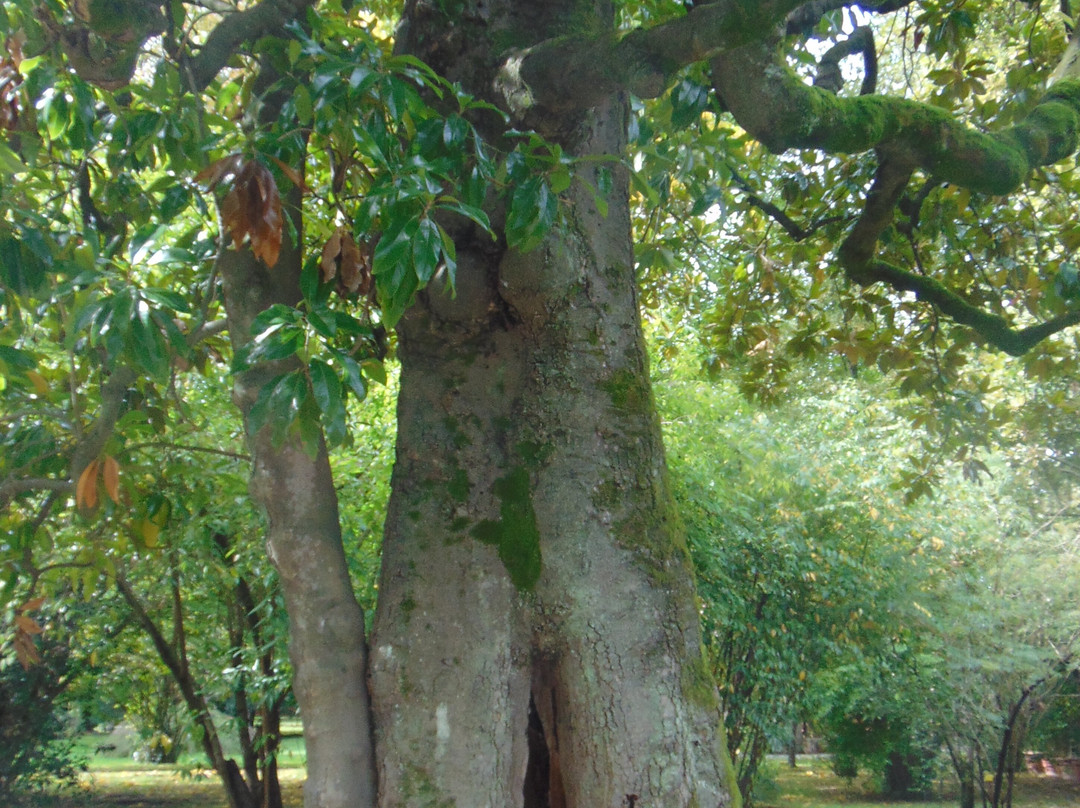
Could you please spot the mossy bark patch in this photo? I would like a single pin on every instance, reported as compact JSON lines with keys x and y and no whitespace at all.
{"x":628,"y":390}
{"x":515,"y":533}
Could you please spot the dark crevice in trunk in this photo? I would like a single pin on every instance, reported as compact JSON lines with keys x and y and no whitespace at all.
{"x":537,"y":788}
{"x":543,"y":781}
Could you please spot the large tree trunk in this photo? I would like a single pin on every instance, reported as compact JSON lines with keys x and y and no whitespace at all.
{"x":536,"y":641}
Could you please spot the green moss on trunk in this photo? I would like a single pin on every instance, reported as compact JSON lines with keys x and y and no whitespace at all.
{"x":515,"y":533}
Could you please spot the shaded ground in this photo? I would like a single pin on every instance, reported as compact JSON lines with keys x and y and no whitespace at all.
{"x":154,"y":788}
{"x":813,"y":785}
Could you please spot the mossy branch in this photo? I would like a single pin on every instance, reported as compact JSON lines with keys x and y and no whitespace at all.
{"x":857,"y":257}
{"x":264,"y":19}
{"x":775,"y":106}
{"x":580,"y":71}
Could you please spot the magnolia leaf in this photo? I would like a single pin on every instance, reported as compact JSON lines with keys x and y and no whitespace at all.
{"x":374,"y":370}
{"x":41,"y":387}
{"x":331,"y":251}
{"x":214,"y":173}
{"x":86,"y":494}
{"x":149,"y":532}
{"x":33,"y":604}
{"x":25,"y":650}
{"x":111,"y":476}
{"x":295,"y":177}
{"x":28,"y":624}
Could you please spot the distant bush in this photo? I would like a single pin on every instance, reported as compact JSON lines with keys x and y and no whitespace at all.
{"x":36,"y":747}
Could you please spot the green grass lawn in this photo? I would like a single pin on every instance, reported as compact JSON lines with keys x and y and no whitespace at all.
{"x":148,"y":786}
{"x":813,"y":785}
{"x":112,"y":783}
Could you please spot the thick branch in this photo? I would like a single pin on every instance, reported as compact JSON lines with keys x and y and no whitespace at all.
{"x":577,"y":72}
{"x":830,"y":76}
{"x":113,"y":393}
{"x":775,"y":106}
{"x":861,"y":266}
{"x":803,"y":20}
{"x":266,"y":18}
{"x":12,"y":488}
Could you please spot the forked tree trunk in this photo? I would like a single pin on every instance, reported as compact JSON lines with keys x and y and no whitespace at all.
{"x":536,"y":641}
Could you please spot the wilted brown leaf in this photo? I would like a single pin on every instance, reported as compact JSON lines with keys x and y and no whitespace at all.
{"x":32,"y":605}
{"x":252,"y":209}
{"x":28,"y":624}
{"x":351,"y":274}
{"x":266,"y":236}
{"x":86,"y":493}
{"x":331,"y":252}
{"x":81,"y":9}
{"x":220,"y":169}
{"x":110,"y":475}
{"x":348,"y":261}
{"x":295,"y":177}
{"x":25,"y":649}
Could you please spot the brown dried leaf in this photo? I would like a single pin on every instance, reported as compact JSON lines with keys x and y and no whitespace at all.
{"x":351,"y":268}
{"x":110,"y":474}
{"x":295,"y":177}
{"x":33,"y":604}
{"x":234,"y":215}
{"x":252,"y":207}
{"x":81,"y":9}
{"x":86,"y":493}
{"x":25,"y":650}
{"x":328,"y":262}
{"x":28,"y":624}
{"x":267,"y":232}
{"x":219,"y":170}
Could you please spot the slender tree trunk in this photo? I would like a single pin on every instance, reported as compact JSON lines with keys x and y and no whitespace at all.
{"x":239,"y":795}
{"x":327,"y":641}
{"x":536,"y":640}
{"x":326,"y":625}
{"x":271,"y":734}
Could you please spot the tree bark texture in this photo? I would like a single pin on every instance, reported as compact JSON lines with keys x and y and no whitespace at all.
{"x":536,"y":641}
{"x":326,"y":625}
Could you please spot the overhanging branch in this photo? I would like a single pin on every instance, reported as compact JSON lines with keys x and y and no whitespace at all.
{"x":857,"y":257}
{"x":775,"y":106}
{"x":580,"y":71}
{"x":266,"y":18}
{"x":830,"y":76}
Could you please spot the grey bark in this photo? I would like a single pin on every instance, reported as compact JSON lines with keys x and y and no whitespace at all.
{"x":536,"y":640}
{"x":327,"y":641}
